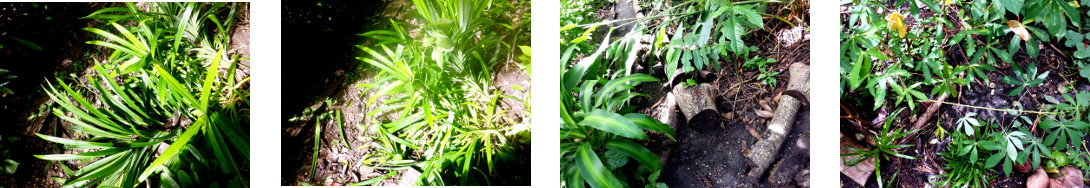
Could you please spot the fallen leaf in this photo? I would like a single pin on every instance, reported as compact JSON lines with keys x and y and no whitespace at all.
{"x":764,"y":105}
{"x":1018,"y":29}
{"x":764,"y":114}
{"x":897,"y":23}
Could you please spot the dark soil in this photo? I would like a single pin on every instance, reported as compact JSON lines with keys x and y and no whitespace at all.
{"x":55,"y":27}
{"x":321,"y":39}
{"x":916,"y":173}
{"x":713,"y":154}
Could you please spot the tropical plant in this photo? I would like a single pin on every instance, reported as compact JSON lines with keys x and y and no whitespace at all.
{"x":885,"y":145}
{"x":599,"y":125}
{"x":439,"y":87}
{"x":5,"y":78}
{"x":761,"y":64}
{"x":1026,"y":78}
{"x":142,"y":128}
{"x":967,"y":123}
{"x":7,"y":165}
{"x":963,"y":166}
{"x":1062,"y":132}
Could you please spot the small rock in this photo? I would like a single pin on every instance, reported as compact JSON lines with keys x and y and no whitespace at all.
{"x":1039,"y":179}
{"x":408,"y":177}
{"x":1070,"y":177}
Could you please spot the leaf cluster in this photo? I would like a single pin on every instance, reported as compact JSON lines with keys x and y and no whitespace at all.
{"x":143,"y":128}
{"x":885,"y":146}
{"x":439,"y":110}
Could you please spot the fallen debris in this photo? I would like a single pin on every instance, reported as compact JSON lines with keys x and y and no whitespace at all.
{"x":764,"y":151}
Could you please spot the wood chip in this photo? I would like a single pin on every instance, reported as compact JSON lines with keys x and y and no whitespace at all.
{"x":860,"y":172}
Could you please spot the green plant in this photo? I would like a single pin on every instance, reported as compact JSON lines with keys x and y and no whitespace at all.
{"x":967,"y":123}
{"x":7,"y":165}
{"x":595,"y":127}
{"x":964,"y":169}
{"x":948,"y":81}
{"x":1036,"y":149}
{"x":885,"y":145}
{"x":1061,"y":132}
{"x":761,"y":64}
{"x":1084,"y":70}
{"x":448,"y":119}
{"x":1026,"y":78}
{"x":5,"y":78}
{"x":1006,"y":150}
{"x":142,"y":128}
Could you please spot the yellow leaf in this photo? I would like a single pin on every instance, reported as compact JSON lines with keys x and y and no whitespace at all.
{"x":897,"y":23}
{"x":948,"y":2}
{"x":1018,"y":29}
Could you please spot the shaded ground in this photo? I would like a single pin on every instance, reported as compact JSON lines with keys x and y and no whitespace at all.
{"x":320,"y":63}
{"x":326,"y":34}
{"x":716,"y":157}
{"x":55,"y":27}
{"x":916,"y":173}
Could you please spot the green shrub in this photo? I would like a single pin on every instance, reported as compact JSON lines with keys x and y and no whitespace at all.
{"x":440,"y":86}
{"x":141,"y":129}
{"x":885,"y":145}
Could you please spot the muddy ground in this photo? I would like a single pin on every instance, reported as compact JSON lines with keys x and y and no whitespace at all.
{"x":56,"y":28}
{"x":320,"y":63}
{"x":916,"y":173}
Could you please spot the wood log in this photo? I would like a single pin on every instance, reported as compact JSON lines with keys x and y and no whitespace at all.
{"x":694,"y":99}
{"x":763,"y":153}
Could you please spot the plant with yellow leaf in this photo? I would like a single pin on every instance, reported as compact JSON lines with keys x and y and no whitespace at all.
{"x":897,"y":23}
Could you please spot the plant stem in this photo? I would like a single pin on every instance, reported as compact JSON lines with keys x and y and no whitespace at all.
{"x":992,"y":109}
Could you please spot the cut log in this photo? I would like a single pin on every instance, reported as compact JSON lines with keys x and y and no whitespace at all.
{"x":764,"y":152}
{"x":694,"y":99}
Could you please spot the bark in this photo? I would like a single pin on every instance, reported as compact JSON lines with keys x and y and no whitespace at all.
{"x":764,"y":151}
{"x":926,"y":116}
{"x":694,"y":99}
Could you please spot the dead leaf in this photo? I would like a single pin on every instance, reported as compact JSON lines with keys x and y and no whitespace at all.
{"x":897,"y":23}
{"x":764,"y":105}
{"x":1018,"y":29}
{"x":764,"y":114}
